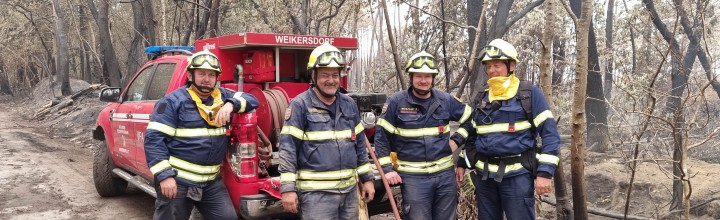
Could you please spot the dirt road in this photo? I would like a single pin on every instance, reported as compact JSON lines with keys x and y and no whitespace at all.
{"x":45,"y":176}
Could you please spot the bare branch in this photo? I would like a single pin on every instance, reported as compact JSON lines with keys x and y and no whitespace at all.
{"x":331,"y":15}
{"x":569,"y":12}
{"x":439,"y":18}
{"x":523,"y":12}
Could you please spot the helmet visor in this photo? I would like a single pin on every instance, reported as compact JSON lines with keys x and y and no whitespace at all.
{"x":494,"y":53}
{"x":417,"y":63}
{"x":326,"y":58}
{"x":198,"y":61}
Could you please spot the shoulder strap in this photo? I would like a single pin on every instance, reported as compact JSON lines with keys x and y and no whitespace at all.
{"x":481,"y":96}
{"x":525,"y":96}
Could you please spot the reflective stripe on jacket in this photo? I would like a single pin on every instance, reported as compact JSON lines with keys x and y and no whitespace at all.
{"x":179,"y":143}
{"x":318,"y":152}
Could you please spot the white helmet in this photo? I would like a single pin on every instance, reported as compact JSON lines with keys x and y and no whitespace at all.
{"x":422,"y":62}
{"x":499,"y":49}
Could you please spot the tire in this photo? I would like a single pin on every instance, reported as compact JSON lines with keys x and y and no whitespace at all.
{"x":106,"y":183}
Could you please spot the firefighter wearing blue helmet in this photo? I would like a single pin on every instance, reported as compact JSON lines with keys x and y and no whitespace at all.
{"x":502,"y":139}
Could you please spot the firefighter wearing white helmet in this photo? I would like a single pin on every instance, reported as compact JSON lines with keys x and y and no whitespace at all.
{"x":203,"y":62}
{"x":325,"y":58}
{"x":504,"y":152}
{"x":185,"y":133}
{"x":415,"y":124}
{"x":322,"y":146}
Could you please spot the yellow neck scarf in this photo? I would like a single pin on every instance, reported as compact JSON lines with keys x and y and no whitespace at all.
{"x":208,"y":112}
{"x":503,"y":88}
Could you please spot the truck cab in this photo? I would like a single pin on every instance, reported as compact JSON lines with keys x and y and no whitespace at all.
{"x":272,"y":67}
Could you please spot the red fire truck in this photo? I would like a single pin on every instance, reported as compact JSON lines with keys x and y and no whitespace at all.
{"x":272,"y":67}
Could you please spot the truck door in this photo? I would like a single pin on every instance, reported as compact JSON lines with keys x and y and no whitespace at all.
{"x":126,"y":115}
{"x":156,"y":89}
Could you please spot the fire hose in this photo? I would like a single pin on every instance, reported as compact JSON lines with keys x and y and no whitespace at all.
{"x":384,"y":180}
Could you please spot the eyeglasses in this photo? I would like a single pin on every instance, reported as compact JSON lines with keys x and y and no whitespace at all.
{"x":494,"y":53}
{"x":418,"y":62}
{"x":198,"y":61}
{"x":326,"y":58}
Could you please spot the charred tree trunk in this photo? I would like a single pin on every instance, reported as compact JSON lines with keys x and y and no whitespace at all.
{"x":111,"y":67}
{"x":4,"y":85}
{"x":559,"y":61}
{"x":61,"y":43}
{"x":190,"y":22}
{"x":143,"y":36}
{"x":563,"y":208}
{"x":396,"y":57}
{"x":201,"y":25}
{"x":299,"y":18}
{"x":695,"y":37}
{"x":150,"y":32}
{"x":679,"y":78}
{"x":213,"y":29}
{"x":608,"y":81}
{"x":595,"y":106}
{"x":85,"y":49}
{"x":577,"y":144}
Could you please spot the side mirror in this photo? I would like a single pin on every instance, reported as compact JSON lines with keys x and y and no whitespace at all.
{"x":110,"y":94}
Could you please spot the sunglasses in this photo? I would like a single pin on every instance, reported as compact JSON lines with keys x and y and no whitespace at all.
{"x":201,"y":59}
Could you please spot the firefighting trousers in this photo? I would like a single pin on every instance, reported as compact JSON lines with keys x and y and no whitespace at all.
{"x":213,"y":202}
{"x":432,"y":196}
{"x":323,"y":205}
{"x":513,"y":196}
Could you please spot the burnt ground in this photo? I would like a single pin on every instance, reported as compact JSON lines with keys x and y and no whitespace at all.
{"x":46,"y":170}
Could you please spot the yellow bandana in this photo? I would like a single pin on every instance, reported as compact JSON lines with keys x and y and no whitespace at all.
{"x":503,"y":88}
{"x":208,"y":112}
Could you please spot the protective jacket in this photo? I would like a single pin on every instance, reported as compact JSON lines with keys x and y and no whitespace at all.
{"x":179,"y":142}
{"x":502,"y":136}
{"x":419,"y":136}
{"x":319,"y":152}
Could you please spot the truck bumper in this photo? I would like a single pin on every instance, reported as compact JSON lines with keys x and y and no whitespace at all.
{"x":263,"y":206}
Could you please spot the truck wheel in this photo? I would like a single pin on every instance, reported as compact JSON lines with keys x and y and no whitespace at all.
{"x":106,"y":183}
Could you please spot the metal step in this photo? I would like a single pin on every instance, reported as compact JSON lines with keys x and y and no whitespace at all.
{"x":135,"y":181}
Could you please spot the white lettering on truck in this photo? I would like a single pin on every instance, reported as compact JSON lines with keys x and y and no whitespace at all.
{"x":305,"y":40}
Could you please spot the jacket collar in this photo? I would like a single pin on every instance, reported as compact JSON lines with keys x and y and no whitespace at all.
{"x":433,"y":95}
{"x":316,"y":103}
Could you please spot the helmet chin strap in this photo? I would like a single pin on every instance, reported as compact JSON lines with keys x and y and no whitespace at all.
{"x":325,"y":94}
{"x":315,"y":84}
{"x":422,"y":91}
{"x":205,"y":89}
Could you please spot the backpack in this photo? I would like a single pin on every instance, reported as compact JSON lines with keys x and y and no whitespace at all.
{"x":524,"y":94}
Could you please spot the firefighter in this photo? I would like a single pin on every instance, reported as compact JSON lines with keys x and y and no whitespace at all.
{"x":502,"y":138}
{"x":322,"y":146}
{"x":185,"y":143}
{"x":415,"y":124}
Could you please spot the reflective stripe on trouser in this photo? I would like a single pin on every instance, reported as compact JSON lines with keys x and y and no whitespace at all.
{"x":325,"y":184}
{"x":324,"y":205}
{"x":425,"y":167}
{"x":429,"y":197}
{"x":215,"y":202}
{"x":513,"y":196}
